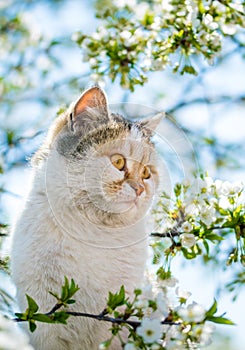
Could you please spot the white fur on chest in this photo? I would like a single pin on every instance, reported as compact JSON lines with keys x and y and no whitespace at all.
{"x":45,"y":249}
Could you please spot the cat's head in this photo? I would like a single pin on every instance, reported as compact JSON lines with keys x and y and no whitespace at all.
{"x":111,"y":162}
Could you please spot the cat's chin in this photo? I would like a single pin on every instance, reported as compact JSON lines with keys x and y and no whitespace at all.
{"x":125,"y":206}
{"x":121,"y":214}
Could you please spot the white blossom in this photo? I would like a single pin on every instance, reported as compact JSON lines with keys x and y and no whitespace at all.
{"x":209,"y":22}
{"x":237,"y":187}
{"x":237,"y":7}
{"x":150,"y":330}
{"x":174,"y":338}
{"x":162,"y":305}
{"x":203,"y":333}
{"x":169,"y":282}
{"x":156,"y":25}
{"x":141,"y":303}
{"x":125,"y":34}
{"x":224,"y":203}
{"x":227,"y":188}
{"x":97,"y":36}
{"x":218,"y":186}
{"x":193,"y":313}
{"x":166,"y":242}
{"x":191,"y":209}
{"x":158,"y":64}
{"x":201,"y":186}
{"x":97,"y":78}
{"x":103,"y":32}
{"x":141,"y":9}
{"x":219,"y":6}
{"x":182,"y":294}
{"x":175,"y":345}
{"x":186,"y":226}
{"x":188,"y":240}
{"x":207,"y":215}
{"x":155,"y":347}
{"x":130,"y":346}
{"x":124,"y":3}
{"x":207,"y":331}
{"x":147,"y":292}
{"x":229,"y":28}
{"x":93,"y":62}
{"x":215,"y":39}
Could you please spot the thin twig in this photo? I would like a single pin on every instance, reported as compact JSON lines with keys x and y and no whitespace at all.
{"x":171,"y":234}
{"x":55,"y":308}
{"x":100,"y":317}
{"x":166,"y":234}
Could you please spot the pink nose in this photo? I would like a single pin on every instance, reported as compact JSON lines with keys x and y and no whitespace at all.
{"x":138,"y":187}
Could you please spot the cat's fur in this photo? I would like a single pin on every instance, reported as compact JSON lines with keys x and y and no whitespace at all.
{"x":83,"y":218}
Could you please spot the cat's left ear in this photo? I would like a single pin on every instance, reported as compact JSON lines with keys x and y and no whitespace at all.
{"x":90,"y":109}
{"x":149,"y":125}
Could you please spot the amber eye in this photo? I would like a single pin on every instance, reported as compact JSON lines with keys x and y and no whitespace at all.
{"x":118,"y":161}
{"x":146,"y":174}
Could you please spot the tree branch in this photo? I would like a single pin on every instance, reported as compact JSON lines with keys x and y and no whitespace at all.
{"x":171,"y":234}
{"x":113,"y":320}
{"x":100,"y":317}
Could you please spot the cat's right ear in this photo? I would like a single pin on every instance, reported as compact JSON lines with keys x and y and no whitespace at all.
{"x":90,"y":110}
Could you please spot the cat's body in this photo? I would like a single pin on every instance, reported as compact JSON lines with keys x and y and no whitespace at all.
{"x":93,"y":182}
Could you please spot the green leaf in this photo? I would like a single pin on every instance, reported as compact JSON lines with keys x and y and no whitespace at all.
{"x":205,"y":243}
{"x":71,"y":301}
{"x":177,"y":189}
{"x":32,"y":305}
{"x":213,"y":237}
{"x":73,"y":288}
{"x":21,"y":316}
{"x":153,"y":305}
{"x":212,"y":309}
{"x":54,"y":295}
{"x":42,"y":318}
{"x":220,"y":320}
{"x":117,"y":299}
{"x":105,"y":344}
{"x":188,"y":254}
{"x":67,"y":291}
{"x":60,"y":317}
{"x":163,"y":274}
{"x":137,"y":292}
{"x":188,"y":69}
{"x":32,"y":326}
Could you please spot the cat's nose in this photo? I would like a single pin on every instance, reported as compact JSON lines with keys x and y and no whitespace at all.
{"x":139,"y":189}
{"x":137,"y":186}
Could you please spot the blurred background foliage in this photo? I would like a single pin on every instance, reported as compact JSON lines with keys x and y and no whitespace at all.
{"x":43,"y":67}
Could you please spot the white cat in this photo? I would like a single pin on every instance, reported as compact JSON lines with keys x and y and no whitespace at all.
{"x":93,"y":182}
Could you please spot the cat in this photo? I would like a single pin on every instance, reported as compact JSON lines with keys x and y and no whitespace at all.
{"x":93,"y":181}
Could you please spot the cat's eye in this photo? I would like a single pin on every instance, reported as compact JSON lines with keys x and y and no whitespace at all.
{"x":118,"y":161}
{"x":146,"y":174}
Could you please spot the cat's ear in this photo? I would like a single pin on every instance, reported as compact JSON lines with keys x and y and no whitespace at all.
{"x":90,"y":109}
{"x":148,"y":126}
